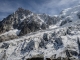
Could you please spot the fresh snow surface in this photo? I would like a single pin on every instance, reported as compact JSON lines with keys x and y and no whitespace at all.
{"x":29,"y":45}
{"x":52,"y":26}
{"x":71,"y":13}
{"x":56,"y":25}
{"x":11,"y":32}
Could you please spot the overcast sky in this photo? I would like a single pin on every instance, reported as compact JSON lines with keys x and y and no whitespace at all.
{"x":51,"y":7}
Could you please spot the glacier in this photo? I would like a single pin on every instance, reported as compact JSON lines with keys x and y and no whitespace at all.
{"x":57,"y":37}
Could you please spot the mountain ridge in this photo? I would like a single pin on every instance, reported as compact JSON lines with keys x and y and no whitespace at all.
{"x":25,"y":21}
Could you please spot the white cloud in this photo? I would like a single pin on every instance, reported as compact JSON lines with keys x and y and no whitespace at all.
{"x":54,"y":6}
{"x":50,"y":7}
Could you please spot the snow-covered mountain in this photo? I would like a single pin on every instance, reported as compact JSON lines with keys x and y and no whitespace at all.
{"x":25,"y":35}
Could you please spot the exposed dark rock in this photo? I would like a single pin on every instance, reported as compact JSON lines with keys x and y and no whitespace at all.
{"x":58,"y":43}
{"x":78,"y":42}
{"x":53,"y":34}
{"x":44,"y":26}
{"x":68,"y":31}
{"x":67,"y":20}
{"x":5,"y":45}
{"x":71,"y":53}
{"x":36,"y":58}
{"x":44,"y":41}
{"x":68,"y":53}
{"x":29,"y":47}
{"x":24,"y":30}
{"x":29,"y":27}
{"x":45,"y":36}
{"x":78,"y":14}
{"x":13,"y":20}
{"x":48,"y":59}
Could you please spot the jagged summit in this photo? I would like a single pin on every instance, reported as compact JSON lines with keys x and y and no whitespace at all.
{"x":26,"y":21}
{"x":29,"y":36}
{"x":20,"y":9}
{"x":23,"y":11}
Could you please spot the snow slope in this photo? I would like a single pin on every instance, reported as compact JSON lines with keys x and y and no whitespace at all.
{"x":35,"y":44}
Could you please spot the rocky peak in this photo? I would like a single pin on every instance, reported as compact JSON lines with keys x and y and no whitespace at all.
{"x":22,"y":11}
{"x":22,"y":18}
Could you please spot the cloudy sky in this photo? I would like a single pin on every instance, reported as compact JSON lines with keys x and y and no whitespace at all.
{"x":51,"y":7}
